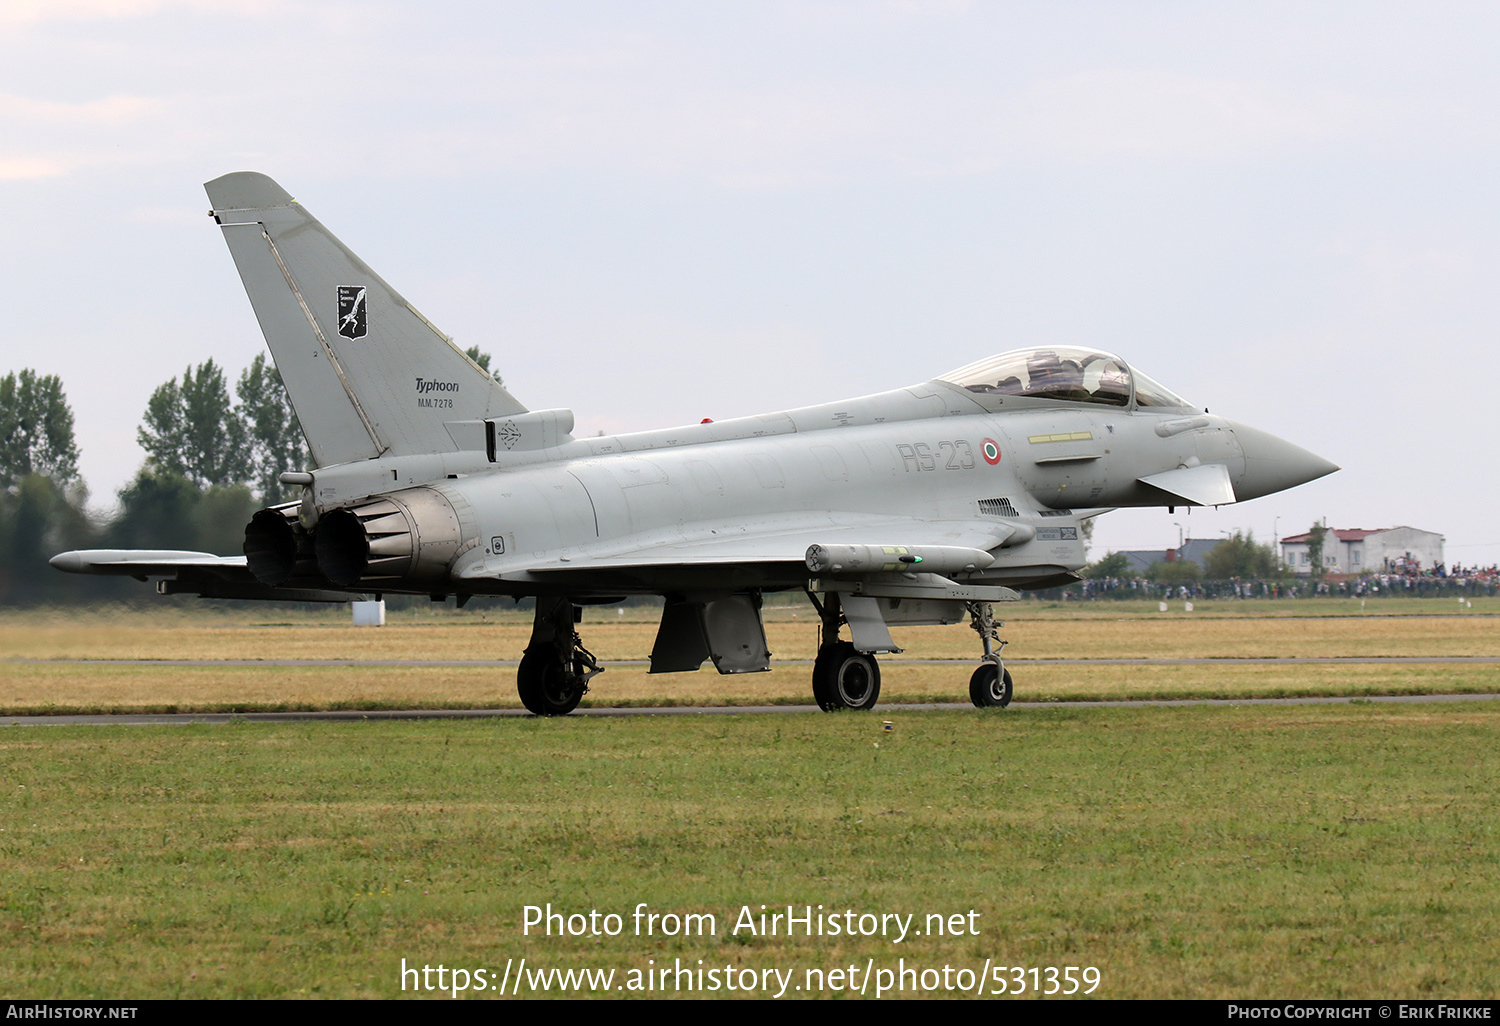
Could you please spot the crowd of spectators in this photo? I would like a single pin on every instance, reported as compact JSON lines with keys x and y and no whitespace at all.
{"x":1412,"y":579}
{"x":1409,"y":581}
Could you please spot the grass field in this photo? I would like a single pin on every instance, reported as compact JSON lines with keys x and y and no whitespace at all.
{"x":1336,"y":851}
{"x":44,"y":673}
{"x":141,"y":636}
{"x":1318,"y":851}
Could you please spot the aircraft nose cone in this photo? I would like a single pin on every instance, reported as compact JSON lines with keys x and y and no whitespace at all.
{"x":1273,"y":464}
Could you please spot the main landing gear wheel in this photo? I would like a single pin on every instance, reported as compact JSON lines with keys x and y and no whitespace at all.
{"x":844,"y":678}
{"x":555,"y":669}
{"x":546,"y":688}
{"x":990,"y":687}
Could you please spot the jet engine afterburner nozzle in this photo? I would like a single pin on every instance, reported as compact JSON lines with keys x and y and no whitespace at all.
{"x":278,"y":550}
{"x":270,"y":547}
{"x":343,"y":546}
{"x":403,"y":541}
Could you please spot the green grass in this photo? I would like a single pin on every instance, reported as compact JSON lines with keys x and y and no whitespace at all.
{"x":65,"y":665}
{"x":1338,"y":851}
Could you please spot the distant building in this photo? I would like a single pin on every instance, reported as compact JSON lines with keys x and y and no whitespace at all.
{"x":1193,"y":550}
{"x":1141,"y":559}
{"x":1354,"y":550}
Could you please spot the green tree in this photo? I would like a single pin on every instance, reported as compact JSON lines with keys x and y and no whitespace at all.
{"x":219,"y":519}
{"x":36,"y":429}
{"x":274,"y":434}
{"x":163,"y":510}
{"x":1182,"y":571}
{"x":1240,"y":556}
{"x":1315,"y":550}
{"x":1114,"y":564}
{"x":483,"y":359}
{"x":38,"y":519}
{"x":155,"y":510}
{"x":192,"y":430}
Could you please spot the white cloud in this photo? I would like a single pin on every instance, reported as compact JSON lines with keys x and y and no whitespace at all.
{"x":182,"y":217}
{"x":47,"y":138}
{"x":31,"y":12}
{"x":25,"y":12}
{"x":1160,"y":114}
{"x":651,"y":370}
{"x":111,"y":110}
{"x":654,"y":111}
{"x":654,"y":104}
{"x":20,"y":167}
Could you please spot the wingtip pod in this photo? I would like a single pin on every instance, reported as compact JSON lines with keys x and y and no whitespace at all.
{"x":246,"y":190}
{"x":133,"y":562}
{"x":67,"y":562}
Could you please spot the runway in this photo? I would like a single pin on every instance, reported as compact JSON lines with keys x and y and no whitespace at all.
{"x":370,"y":716}
{"x":481,"y":663}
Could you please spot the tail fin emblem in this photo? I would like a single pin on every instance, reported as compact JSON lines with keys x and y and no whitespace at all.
{"x":352,"y":318}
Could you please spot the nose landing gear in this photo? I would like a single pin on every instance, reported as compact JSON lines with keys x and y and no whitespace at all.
{"x":990,"y":686}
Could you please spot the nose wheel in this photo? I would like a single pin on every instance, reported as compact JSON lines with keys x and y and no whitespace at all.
{"x":990,"y":686}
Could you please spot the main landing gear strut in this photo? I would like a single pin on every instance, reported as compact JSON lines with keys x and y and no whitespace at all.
{"x":843,"y":677}
{"x":556,"y":668}
{"x":990,"y":687}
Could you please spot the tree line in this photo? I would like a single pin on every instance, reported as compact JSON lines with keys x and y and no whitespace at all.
{"x":213,"y":457}
{"x":211,"y":461}
{"x":1238,"y":556}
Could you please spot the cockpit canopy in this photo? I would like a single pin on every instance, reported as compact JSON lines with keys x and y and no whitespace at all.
{"x":1062,"y":372}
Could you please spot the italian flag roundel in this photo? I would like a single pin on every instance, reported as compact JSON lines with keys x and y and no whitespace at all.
{"x":991,"y":451}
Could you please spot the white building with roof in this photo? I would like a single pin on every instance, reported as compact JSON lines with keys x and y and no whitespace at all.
{"x":1355,"y":550}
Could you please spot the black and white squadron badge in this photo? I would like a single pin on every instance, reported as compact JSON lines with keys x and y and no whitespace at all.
{"x":353,"y":320}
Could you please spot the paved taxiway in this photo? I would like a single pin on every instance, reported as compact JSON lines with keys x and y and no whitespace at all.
{"x":145,"y":719}
{"x":1205,"y":660}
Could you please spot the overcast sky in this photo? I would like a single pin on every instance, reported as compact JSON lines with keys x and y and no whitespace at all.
{"x":653,"y":213}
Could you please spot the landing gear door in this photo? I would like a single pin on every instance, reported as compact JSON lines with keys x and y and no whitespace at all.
{"x":867,"y":624}
{"x":736,"y":635}
{"x":680,"y":645}
{"x":727,"y":630}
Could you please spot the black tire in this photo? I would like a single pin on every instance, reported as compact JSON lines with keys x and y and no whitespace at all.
{"x":529,"y":681}
{"x":990,"y":687}
{"x":844,"y":678}
{"x":543,"y":686}
{"x":821,"y":672}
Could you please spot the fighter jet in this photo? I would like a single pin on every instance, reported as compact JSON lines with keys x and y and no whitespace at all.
{"x":925,"y":504}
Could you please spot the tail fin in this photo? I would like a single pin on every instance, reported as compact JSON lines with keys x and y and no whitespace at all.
{"x":367,"y":374}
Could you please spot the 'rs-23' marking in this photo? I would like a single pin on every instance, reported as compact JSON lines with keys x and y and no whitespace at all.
{"x":919,"y":456}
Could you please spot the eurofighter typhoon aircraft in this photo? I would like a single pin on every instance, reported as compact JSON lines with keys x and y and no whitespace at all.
{"x":921,"y":505}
